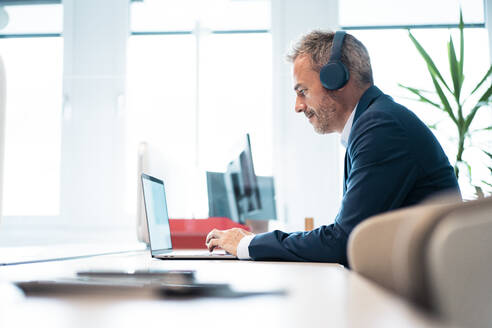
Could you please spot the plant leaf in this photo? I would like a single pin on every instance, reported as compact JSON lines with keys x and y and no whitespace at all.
{"x":455,"y":70}
{"x":462,"y":44}
{"x":444,"y":100}
{"x":421,"y":97}
{"x":484,"y":99}
{"x":479,"y":192}
{"x":483,"y":80}
{"x":428,"y":60}
{"x":468,"y":166}
{"x":419,"y":90}
{"x":485,"y":182}
{"x":482,"y":129}
{"x":488,"y":154}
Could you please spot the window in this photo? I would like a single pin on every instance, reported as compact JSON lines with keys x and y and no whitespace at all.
{"x":199,"y":78}
{"x":395,"y":60}
{"x":161,"y":83}
{"x":32,"y":50}
{"x":390,"y":13}
{"x":235,"y":92}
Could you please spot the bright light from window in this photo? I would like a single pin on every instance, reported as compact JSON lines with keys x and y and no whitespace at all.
{"x":415,"y":12}
{"x":33,"y":125}
{"x":193,"y":96}
{"x":172,"y":15}
{"x":161,"y":112}
{"x":235,"y":98}
{"x":162,"y":108}
{"x":34,"y":19}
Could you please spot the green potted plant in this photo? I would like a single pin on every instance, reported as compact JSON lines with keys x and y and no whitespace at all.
{"x":450,"y":99}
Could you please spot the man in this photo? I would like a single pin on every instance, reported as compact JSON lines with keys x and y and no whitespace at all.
{"x":392,"y":159}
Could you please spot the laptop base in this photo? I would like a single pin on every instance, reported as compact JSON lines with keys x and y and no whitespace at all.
{"x":193,"y":254}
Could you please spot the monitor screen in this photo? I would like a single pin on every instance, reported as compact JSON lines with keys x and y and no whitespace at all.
{"x":218,"y":204}
{"x":268,"y":204}
{"x":157,"y":217}
{"x":242,"y":185}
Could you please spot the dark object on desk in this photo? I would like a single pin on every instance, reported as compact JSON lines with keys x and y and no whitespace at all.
{"x":150,"y":289}
{"x":212,"y":290}
{"x":189,"y":274}
{"x":159,"y":276}
{"x":83,"y":287}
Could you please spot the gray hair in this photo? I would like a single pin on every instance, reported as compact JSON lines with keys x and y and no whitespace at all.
{"x":317,"y":44}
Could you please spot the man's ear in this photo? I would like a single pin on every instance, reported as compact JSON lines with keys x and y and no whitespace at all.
{"x":336,"y":95}
{"x":345,"y":91}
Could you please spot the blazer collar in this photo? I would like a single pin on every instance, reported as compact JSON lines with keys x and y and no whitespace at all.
{"x":366,"y":100}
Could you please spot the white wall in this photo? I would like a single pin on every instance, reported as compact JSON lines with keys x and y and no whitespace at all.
{"x":306,"y":165}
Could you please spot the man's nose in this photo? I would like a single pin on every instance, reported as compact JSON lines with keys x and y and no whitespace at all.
{"x":300,"y":105}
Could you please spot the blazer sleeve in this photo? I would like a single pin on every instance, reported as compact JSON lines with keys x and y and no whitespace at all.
{"x":381,"y":174}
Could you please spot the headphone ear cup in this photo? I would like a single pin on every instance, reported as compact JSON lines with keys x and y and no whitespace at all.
{"x":334,"y":75}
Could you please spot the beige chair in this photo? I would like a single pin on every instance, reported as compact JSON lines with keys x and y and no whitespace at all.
{"x":411,"y":253}
{"x":459,"y":265}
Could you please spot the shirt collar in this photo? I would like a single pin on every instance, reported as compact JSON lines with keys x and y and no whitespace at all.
{"x":346,"y":129}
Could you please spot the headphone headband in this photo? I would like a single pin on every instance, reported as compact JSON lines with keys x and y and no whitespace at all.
{"x":334,"y":75}
{"x":336,"y":48}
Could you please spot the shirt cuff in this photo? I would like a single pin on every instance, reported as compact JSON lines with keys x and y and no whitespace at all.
{"x":243,"y":247}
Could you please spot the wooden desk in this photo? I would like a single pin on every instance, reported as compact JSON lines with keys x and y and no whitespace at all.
{"x":318,"y":295}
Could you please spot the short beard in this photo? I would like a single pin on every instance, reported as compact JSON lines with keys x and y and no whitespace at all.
{"x":326,"y":117}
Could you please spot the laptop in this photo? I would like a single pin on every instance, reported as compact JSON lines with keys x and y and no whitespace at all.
{"x":159,"y":230}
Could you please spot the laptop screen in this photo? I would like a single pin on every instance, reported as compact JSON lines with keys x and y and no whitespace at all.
{"x":157,"y":217}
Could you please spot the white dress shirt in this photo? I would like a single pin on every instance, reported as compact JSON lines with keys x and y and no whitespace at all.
{"x":347,"y":128}
{"x":243,"y":246}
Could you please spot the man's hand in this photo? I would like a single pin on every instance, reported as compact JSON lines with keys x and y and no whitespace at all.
{"x":228,"y":240}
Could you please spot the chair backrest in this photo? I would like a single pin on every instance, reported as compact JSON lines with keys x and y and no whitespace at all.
{"x":459,"y":265}
{"x":371,"y":246}
{"x":387,"y":248}
{"x":409,"y":251}
{"x":3,"y":102}
{"x":428,"y":254}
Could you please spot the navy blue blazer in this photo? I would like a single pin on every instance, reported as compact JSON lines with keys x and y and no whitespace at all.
{"x":392,"y":160}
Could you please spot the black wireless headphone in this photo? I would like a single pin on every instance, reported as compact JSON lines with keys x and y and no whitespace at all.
{"x":335,"y":74}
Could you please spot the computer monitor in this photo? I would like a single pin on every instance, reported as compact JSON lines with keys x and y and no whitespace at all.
{"x":218,"y":202}
{"x":241,"y":184}
{"x":268,"y":204}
